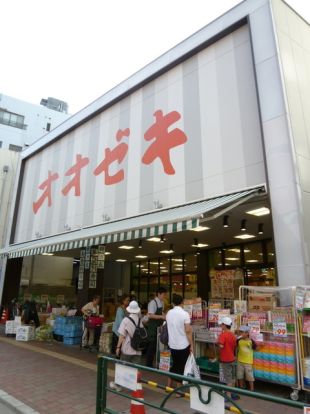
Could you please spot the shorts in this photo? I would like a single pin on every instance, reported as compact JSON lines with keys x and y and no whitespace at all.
{"x":227,"y":372}
{"x":245,"y":371}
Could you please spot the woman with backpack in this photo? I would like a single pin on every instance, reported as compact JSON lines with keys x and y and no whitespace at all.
{"x":127,"y":331}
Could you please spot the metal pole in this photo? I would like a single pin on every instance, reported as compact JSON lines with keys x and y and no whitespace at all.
{"x":100,"y":398}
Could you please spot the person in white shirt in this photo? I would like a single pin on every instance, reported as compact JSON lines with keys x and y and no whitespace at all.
{"x":180,"y":335}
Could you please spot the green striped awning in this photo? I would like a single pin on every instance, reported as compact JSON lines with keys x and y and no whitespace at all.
{"x":163,"y":221}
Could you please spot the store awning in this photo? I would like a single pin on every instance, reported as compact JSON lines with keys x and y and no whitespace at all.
{"x":163,"y":221}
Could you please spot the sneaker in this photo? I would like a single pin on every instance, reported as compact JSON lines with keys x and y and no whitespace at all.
{"x":235,"y":397}
{"x":115,"y":387}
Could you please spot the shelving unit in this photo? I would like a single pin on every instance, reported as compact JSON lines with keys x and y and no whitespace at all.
{"x":277,"y":358}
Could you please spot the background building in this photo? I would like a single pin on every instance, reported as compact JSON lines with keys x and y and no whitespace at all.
{"x":21,"y":123}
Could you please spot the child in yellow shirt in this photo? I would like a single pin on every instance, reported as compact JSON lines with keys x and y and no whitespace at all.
{"x":245,"y":357}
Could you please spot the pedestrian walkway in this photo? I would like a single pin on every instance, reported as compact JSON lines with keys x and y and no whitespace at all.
{"x":53,"y":378}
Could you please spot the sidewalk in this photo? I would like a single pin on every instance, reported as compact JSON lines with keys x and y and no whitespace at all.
{"x":53,"y":378}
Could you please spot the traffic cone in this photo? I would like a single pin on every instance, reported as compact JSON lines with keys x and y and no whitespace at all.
{"x":4,"y":316}
{"x":135,"y":406}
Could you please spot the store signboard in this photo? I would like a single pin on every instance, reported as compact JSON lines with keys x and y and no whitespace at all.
{"x":279,"y":329}
{"x":139,"y":153}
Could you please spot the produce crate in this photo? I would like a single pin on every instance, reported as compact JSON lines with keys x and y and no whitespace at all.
{"x":207,"y":365}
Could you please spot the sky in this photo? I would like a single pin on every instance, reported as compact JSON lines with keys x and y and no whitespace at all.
{"x":76,"y":50}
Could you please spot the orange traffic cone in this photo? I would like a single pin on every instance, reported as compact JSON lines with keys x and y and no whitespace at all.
{"x":4,"y":316}
{"x":135,"y":406}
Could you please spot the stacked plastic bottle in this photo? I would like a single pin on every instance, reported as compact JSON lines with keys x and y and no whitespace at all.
{"x":306,"y":371}
{"x":70,"y":328}
{"x":275,"y":361}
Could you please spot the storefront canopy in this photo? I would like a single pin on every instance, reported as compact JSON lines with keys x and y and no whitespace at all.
{"x":185,"y":217}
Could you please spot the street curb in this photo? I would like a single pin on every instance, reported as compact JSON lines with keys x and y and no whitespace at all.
{"x":18,"y":406}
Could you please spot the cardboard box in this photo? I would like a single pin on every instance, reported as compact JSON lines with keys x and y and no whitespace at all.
{"x":261,"y":302}
{"x":25,"y":333}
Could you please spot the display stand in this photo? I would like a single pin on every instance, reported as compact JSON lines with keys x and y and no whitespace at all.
{"x":302,"y":300}
{"x":271,"y":315}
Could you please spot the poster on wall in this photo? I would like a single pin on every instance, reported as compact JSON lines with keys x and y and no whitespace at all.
{"x":87,"y":258}
{"x":222,"y":284}
{"x":101,"y":256}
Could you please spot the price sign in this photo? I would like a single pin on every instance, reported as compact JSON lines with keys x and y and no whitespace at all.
{"x":280,"y":329}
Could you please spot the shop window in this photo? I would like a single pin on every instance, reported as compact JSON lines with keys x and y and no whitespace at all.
{"x":270,"y":252}
{"x":253,"y":254}
{"x":154,"y":267}
{"x":261,"y":277}
{"x":177,"y":284}
{"x":135,"y":285}
{"x":190,"y":263}
{"x":143,"y":292}
{"x":190,"y":286}
{"x":215,"y":258}
{"x":135,"y":269}
{"x":144,"y":268}
{"x":164,"y":266}
{"x":232,"y":256}
{"x":153,"y":286}
{"x":177,"y":264}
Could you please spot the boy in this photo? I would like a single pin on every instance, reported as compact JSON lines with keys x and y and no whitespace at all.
{"x":227,"y":344}
{"x":245,"y":353}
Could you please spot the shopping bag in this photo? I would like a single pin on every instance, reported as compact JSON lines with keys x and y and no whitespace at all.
{"x":191,"y":368}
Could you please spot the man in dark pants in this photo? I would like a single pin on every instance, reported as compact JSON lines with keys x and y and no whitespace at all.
{"x":156,"y":317}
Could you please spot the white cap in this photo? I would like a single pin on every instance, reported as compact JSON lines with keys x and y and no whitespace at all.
{"x":226,"y":321}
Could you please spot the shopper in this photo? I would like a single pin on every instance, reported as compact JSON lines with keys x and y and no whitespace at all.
{"x":90,"y":309}
{"x":156,"y":317}
{"x":126,"y":331}
{"x":180,"y":336}
{"x":227,"y":344}
{"x":120,"y":314}
{"x":245,"y":355}
{"x":30,"y":313}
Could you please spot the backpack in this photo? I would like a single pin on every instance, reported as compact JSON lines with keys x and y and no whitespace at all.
{"x":163,"y":336}
{"x":139,"y":340}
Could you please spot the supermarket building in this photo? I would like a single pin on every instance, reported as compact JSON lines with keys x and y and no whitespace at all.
{"x":160,"y":174}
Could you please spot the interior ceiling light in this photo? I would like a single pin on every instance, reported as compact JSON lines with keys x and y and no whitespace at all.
{"x":252,"y":261}
{"x":260,"y":229}
{"x":200,"y":228}
{"x":244,"y":236}
{"x":225,"y":221}
{"x":154,"y":239}
{"x":232,"y":258}
{"x":171,"y":250}
{"x":140,"y":256}
{"x":243,"y":225}
{"x":178,"y":260}
{"x":107,"y":253}
{"x":125,"y":247}
{"x":200,"y":245}
{"x":262,"y":211}
{"x":121,"y":260}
